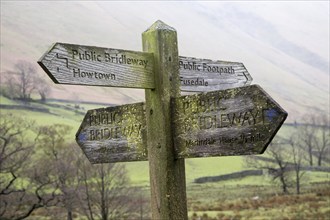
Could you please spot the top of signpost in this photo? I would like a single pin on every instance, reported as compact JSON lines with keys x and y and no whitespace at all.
{"x":159,"y":25}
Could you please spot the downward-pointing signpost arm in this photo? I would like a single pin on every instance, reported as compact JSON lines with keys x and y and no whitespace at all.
{"x":167,"y":174}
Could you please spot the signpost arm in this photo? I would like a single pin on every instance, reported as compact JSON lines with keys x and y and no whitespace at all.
{"x":167,"y":174}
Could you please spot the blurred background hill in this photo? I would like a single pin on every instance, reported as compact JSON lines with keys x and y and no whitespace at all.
{"x":285,"y":47}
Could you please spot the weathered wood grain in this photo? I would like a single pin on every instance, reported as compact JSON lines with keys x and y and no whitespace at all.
{"x":238,"y":121}
{"x":96,"y":66}
{"x":203,"y":75}
{"x":114,"y":134}
{"x":167,"y":174}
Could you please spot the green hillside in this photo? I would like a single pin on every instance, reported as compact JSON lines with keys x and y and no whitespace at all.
{"x":213,"y":199}
{"x":71,"y":114}
{"x":138,"y":171}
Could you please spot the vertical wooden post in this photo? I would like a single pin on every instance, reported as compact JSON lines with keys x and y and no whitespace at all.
{"x":167,"y":175}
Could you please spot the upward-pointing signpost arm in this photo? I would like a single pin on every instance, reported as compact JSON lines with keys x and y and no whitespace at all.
{"x":167,"y":174}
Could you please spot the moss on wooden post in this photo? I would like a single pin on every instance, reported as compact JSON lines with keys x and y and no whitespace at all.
{"x":167,"y":175}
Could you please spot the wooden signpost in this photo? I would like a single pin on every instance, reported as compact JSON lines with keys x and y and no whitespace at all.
{"x":96,"y":66}
{"x":114,"y":134}
{"x":238,"y":121}
{"x":168,"y":127}
{"x":202,"y":75}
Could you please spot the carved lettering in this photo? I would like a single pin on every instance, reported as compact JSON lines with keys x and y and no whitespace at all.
{"x":226,"y":140}
{"x":218,"y":69}
{"x":203,"y":106}
{"x":193,"y":82}
{"x":235,"y":119}
{"x":190,"y":66}
{"x":86,"y":55}
{"x":118,"y":132}
{"x":123,"y":59}
{"x":240,"y":139}
{"x":96,"y":75}
{"x":211,"y":113}
{"x":205,"y":67}
{"x":240,"y":121}
{"x":251,"y":138}
{"x":200,"y":142}
{"x":90,"y":55}
{"x":104,"y":118}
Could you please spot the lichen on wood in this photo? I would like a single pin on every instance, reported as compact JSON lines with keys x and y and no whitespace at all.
{"x":114,"y":134}
{"x":239,"y":121}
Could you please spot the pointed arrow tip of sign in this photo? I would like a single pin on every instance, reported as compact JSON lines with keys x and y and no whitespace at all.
{"x":44,"y":67}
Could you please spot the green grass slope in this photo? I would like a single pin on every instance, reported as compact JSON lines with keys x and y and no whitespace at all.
{"x":138,"y":171}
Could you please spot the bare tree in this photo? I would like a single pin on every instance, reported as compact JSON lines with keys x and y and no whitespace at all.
{"x":98,"y":192}
{"x":284,"y":161}
{"x":26,"y":78}
{"x":9,"y":87}
{"x":322,"y":140}
{"x":275,"y":163}
{"x":19,"y":201}
{"x":307,"y":134}
{"x":61,"y":159}
{"x":13,"y":154}
{"x":43,"y":89}
{"x":297,"y":156}
{"x":105,"y":193}
{"x":280,"y":172}
{"x":23,"y":81}
{"x":314,"y":137}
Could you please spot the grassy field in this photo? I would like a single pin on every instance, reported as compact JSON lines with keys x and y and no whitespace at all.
{"x":231,"y":199}
{"x":258,"y":202}
{"x":6,"y":101}
{"x":138,"y":171}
